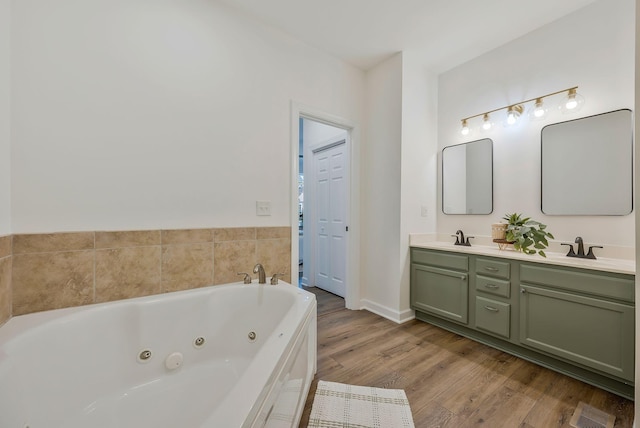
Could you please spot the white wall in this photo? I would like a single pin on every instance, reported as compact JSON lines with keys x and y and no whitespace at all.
{"x":418,"y":161}
{"x":380,"y":198}
{"x":398,"y":181}
{"x":135,"y":115}
{"x":592,"y":48}
{"x":5,"y":119}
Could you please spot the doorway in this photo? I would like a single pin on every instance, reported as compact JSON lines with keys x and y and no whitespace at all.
{"x":323,"y":206}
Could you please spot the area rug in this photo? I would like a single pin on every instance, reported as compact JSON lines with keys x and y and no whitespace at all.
{"x":340,"y":405}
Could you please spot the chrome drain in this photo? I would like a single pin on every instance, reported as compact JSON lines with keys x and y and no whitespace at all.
{"x":144,"y":355}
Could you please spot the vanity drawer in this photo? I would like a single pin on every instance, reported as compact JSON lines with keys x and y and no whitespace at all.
{"x":494,"y":268}
{"x":440,"y":259}
{"x":615,"y":286}
{"x":493,"y":316}
{"x":499,"y":287}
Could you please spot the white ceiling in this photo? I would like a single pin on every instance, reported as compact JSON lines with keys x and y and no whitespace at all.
{"x":444,"y":32}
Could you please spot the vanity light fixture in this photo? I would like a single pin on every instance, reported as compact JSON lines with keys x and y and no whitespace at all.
{"x":571,"y":103}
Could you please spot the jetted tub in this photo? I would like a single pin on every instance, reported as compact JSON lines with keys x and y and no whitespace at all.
{"x":223,"y":356}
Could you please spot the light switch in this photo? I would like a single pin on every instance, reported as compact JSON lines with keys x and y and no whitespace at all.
{"x":263,"y":207}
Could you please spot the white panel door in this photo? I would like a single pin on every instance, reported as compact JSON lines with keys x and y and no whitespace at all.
{"x":331,"y":215}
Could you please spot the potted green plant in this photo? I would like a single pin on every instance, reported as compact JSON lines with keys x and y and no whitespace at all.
{"x":525,"y":233}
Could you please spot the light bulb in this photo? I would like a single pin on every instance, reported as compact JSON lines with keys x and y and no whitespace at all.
{"x":513,"y":114}
{"x":572,"y":102}
{"x":465,"y":128}
{"x":486,"y":123}
{"x":538,"y":111}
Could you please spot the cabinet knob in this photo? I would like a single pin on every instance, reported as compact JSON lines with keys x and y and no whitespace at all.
{"x":523,"y":291}
{"x":491,"y":308}
{"x":491,"y":269}
{"x":491,"y":286}
{"x":463,"y":278}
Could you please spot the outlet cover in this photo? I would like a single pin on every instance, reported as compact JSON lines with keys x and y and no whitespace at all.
{"x":263,"y":207}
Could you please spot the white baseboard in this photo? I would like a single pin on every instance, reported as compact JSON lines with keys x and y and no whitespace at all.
{"x":386,"y":312}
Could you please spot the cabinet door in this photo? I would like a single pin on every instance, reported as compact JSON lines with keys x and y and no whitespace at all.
{"x":592,"y":332}
{"x":440,"y":292}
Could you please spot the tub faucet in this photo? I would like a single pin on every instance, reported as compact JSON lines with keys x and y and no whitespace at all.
{"x":274,"y":278}
{"x":262,"y":277}
{"x":247,"y":277}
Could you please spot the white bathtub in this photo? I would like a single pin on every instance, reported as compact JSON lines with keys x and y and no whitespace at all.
{"x":85,"y":367}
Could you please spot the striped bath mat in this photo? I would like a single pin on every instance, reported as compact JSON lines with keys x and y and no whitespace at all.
{"x":339,"y":405}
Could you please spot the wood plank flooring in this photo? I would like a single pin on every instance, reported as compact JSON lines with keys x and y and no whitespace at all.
{"x":450,"y":381}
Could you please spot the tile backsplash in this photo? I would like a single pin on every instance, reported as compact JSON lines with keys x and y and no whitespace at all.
{"x":49,"y":271}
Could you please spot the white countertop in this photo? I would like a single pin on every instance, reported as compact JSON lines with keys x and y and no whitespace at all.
{"x":560,"y":259}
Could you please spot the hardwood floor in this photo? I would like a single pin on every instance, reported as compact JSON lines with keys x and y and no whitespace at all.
{"x":450,"y":381}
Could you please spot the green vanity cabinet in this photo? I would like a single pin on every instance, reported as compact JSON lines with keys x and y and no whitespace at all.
{"x":594,"y":328}
{"x":577,"y":321}
{"x":437,"y":288}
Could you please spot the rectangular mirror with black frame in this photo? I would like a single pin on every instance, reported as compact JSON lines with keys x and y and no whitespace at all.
{"x":467,"y":178}
{"x":587,"y":165}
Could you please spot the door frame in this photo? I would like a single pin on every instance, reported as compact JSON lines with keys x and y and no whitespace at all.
{"x":298,"y":110}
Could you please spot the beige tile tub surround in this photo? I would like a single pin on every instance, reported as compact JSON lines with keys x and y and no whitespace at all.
{"x":135,"y":238}
{"x":123,"y":273}
{"x":53,"y":280}
{"x":273,"y":233}
{"x":53,"y":242}
{"x":187,"y":266}
{"x":231,"y":257}
{"x":275,"y":254}
{"x":235,"y":234}
{"x":186,"y":236}
{"x":5,"y":289}
{"x":56,"y":270}
{"x":5,"y":278}
{"x":5,"y":246}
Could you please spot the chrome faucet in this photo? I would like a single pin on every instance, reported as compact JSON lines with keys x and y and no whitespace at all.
{"x":262,"y":277}
{"x":274,"y":278}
